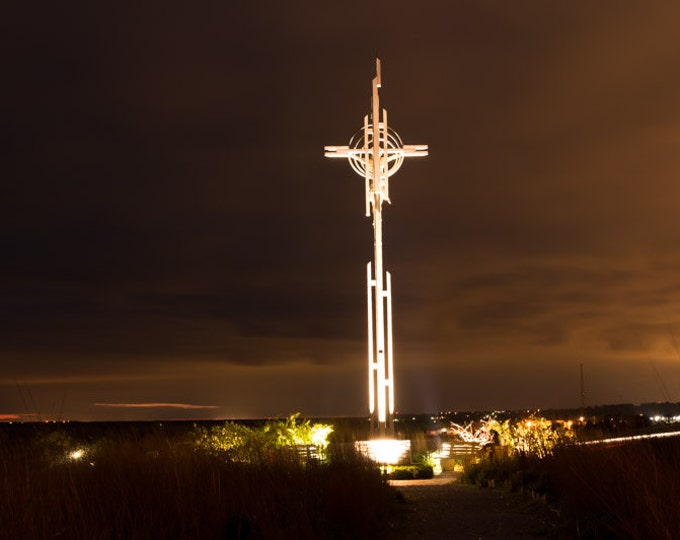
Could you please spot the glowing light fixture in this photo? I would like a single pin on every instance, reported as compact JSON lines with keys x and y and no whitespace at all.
{"x":384,"y":451}
{"x":75,"y":455}
{"x":376,"y":152}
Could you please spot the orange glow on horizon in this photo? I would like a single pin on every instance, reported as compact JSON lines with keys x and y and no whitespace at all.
{"x":156,"y":405}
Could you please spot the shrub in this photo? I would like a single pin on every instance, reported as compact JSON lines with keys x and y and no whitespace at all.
{"x":490,"y":473}
{"x":411,"y":472}
{"x":424,"y":472}
{"x":535,"y":435}
{"x":242,"y":443}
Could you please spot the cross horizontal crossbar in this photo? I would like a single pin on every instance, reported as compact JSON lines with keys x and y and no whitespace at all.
{"x":411,"y":150}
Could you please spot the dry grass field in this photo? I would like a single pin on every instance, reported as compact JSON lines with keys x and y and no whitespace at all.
{"x":628,"y":490}
{"x":153,"y":486}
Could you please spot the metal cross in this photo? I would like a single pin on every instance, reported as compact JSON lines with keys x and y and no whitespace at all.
{"x":376,"y":152}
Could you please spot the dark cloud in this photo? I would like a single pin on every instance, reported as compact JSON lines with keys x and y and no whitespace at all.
{"x":170,"y":230}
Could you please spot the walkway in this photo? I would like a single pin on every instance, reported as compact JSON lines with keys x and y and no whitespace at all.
{"x":442,"y":508}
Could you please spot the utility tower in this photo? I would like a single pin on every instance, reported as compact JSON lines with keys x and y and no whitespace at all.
{"x":376,"y":152}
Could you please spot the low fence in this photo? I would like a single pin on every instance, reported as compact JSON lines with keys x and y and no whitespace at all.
{"x":459,"y":453}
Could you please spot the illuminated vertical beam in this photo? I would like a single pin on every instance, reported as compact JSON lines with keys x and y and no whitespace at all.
{"x":390,"y":363}
{"x":367,"y":168}
{"x":371,"y":364}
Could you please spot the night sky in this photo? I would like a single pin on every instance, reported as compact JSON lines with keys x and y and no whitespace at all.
{"x":175,"y":245}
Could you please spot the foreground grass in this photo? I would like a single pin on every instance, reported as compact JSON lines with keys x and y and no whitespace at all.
{"x":628,"y":491}
{"x":152,"y":486}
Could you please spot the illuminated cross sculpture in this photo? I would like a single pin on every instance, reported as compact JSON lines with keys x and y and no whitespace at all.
{"x":376,"y":153}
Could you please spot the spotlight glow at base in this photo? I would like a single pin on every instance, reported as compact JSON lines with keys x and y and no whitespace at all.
{"x":384,"y":451}
{"x":75,"y":455}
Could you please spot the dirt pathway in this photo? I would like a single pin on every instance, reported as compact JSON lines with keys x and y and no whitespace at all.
{"x":444,"y":509}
